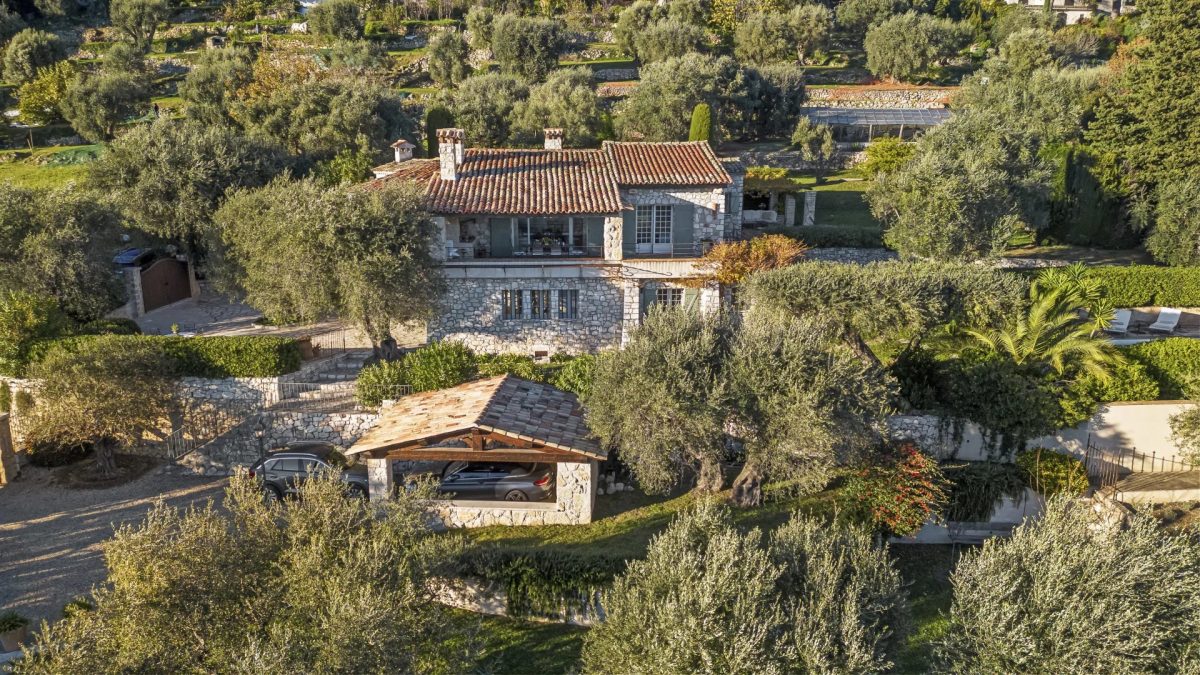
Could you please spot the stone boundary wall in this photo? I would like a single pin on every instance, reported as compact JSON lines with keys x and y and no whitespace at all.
{"x":486,"y":597}
{"x":871,"y":97}
{"x":615,"y":74}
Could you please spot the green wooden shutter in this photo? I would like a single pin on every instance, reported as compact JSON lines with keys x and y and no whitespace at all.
{"x":629,"y":231}
{"x":648,"y":297}
{"x":501,"y":229}
{"x":683,"y":228}
{"x":595,"y":236}
{"x":691,"y":299}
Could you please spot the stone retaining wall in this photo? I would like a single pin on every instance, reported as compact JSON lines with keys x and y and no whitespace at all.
{"x":870,"y":97}
{"x":240,"y":447}
{"x":615,"y":74}
{"x":485,"y":597}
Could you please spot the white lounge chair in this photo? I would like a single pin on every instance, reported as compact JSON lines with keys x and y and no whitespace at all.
{"x":1168,"y":318}
{"x":1120,"y":322}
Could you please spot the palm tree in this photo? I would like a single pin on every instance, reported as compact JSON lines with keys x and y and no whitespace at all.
{"x":1051,"y":334}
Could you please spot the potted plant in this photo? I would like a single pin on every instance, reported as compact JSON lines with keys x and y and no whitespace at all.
{"x":14,"y":629}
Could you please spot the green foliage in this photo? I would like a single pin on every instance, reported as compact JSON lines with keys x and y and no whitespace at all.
{"x":911,"y":44}
{"x":483,"y":107}
{"x":815,"y":145}
{"x":301,"y":252}
{"x":576,"y":375}
{"x":1129,"y":381}
{"x":337,"y":19}
{"x":898,"y":491}
{"x":448,"y":53}
{"x":169,"y":177}
{"x":296,"y":587}
{"x":1019,"y":602}
{"x":491,"y":365}
{"x":661,"y":106}
{"x":526,"y":47}
{"x":11,"y":23}
{"x":1052,"y":473}
{"x":1175,"y":237}
{"x":480,"y":20}
{"x":542,"y":583}
{"x":668,"y":38}
{"x":769,"y":106}
{"x":10,"y":620}
{"x":1185,"y":431}
{"x":209,"y":88}
{"x":348,"y":167}
{"x":440,"y":365}
{"x":1149,"y":286}
{"x":884,"y":155}
{"x":124,"y":58}
{"x":702,"y":123}
{"x":138,"y":20}
{"x":762,"y":38}
{"x":23,"y":402}
{"x":110,"y":326}
{"x":976,"y":487}
{"x":632,"y":21}
{"x":1082,"y":210}
{"x":202,"y":356}
{"x":38,"y":100}
{"x":810,"y":26}
{"x":50,"y":453}
{"x":437,"y":117}
{"x":380,"y":381}
{"x":1144,"y":118}
{"x":566,"y":100}
{"x":26,"y":318}
{"x":5,"y":397}
{"x":28,"y":51}
{"x":857,"y":16}
{"x":96,"y":104}
{"x":1174,"y":363}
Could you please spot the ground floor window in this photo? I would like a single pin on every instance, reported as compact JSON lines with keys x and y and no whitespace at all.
{"x":669,"y":297}
{"x":539,"y":305}
{"x":544,"y":304}
{"x":511,"y":304}
{"x":568,"y":304}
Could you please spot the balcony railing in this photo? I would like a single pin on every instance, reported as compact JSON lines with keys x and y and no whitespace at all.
{"x":455,"y":253}
{"x":694,"y":250}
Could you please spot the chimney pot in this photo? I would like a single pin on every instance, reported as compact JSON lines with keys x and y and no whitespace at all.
{"x":404,"y":150}
{"x":451,"y":146}
{"x":554,"y":139}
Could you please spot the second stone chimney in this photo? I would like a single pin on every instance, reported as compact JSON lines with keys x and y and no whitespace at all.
{"x":451,"y":148}
{"x":554,"y":139}
{"x":404,"y":150}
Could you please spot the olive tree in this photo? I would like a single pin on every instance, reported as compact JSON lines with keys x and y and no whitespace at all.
{"x":811,"y":598}
{"x":209,"y":88}
{"x":480,"y":21}
{"x":138,"y":20}
{"x":762,"y":38}
{"x":816,"y":146}
{"x":105,"y":393}
{"x":96,"y":104}
{"x":1071,"y":593}
{"x":337,"y":19}
{"x":300,"y":252}
{"x":448,"y":51}
{"x":28,"y":51}
{"x":810,"y":25}
{"x":39,"y":99}
{"x":905,"y":46}
{"x":566,"y":100}
{"x":526,"y":46}
{"x":663,"y":399}
{"x":668,"y":38}
{"x":660,"y":108}
{"x":483,"y":107}
{"x":325,"y":584}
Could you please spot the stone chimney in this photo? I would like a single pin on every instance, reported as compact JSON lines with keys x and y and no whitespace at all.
{"x":554,"y":138}
{"x":451,"y":145}
{"x":404,"y":150}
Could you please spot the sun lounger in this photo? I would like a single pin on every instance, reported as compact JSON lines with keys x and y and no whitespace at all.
{"x":1168,"y":318}
{"x":1120,"y":322}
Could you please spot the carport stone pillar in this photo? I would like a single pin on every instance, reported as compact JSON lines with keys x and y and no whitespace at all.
{"x":379,"y":478}
{"x":575,"y":490}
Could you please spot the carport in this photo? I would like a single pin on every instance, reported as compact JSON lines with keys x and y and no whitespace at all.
{"x":498,"y":419}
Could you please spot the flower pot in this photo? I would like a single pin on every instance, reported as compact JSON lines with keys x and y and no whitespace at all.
{"x":13,"y":639}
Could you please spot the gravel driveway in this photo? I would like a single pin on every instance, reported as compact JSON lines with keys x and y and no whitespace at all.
{"x":50,"y":536}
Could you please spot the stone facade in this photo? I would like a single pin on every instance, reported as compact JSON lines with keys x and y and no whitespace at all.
{"x":472,"y":314}
{"x":576,"y":496}
{"x":876,"y":98}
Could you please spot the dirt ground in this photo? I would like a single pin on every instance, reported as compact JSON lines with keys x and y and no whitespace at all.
{"x":50,"y":535}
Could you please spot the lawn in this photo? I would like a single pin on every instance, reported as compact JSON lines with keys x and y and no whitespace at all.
{"x":47,"y":167}
{"x":517,"y":647}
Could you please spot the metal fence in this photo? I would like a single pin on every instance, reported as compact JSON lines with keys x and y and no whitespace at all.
{"x":328,"y":397}
{"x":1106,"y":466}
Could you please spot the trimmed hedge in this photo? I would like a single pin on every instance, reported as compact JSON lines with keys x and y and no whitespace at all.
{"x":1150,"y":286}
{"x":1052,"y":473}
{"x":214,"y":357}
{"x":1173,"y":362}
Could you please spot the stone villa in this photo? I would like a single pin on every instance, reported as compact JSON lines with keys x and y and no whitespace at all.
{"x":563,"y":250}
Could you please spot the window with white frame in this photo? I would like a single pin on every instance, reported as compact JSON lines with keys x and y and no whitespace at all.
{"x":668,"y":297}
{"x":511,"y":305}
{"x":653,"y":224}
{"x":539,"y":305}
{"x":568,"y":304}
{"x":662,"y":224}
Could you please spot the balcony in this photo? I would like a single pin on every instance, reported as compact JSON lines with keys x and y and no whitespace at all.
{"x":557,"y":251}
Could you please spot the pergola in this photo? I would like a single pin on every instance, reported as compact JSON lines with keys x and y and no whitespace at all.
{"x":860,"y":125}
{"x":498,"y":419}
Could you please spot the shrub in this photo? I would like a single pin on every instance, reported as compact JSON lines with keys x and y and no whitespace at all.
{"x":538,"y":582}
{"x":976,"y":488}
{"x":824,"y":236}
{"x":111,"y":327}
{"x":1174,"y":363}
{"x":440,"y":365}
{"x":5,"y":397}
{"x":10,"y":620}
{"x":77,"y":606}
{"x":25,"y":319}
{"x":1052,"y":473}
{"x":22,"y":402}
{"x":217,"y":356}
{"x":1149,"y":286}
{"x":1129,"y":381}
{"x":898,"y":491}
{"x":576,"y":375}
{"x":490,"y":365}
{"x":377,"y":381}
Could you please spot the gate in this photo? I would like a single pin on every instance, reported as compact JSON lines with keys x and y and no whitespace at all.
{"x":163,"y":282}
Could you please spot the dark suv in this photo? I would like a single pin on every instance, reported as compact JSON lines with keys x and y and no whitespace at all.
{"x":282,"y":471}
{"x":498,"y":480}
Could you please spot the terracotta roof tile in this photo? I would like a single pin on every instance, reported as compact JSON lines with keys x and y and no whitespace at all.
{"x":416,"y":170}
{"x":503,"y":404}
{"x":685,"y":164}
{"x":528,"y":182}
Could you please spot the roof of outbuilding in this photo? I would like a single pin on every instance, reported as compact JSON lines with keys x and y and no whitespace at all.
{"x":685,"y":164}
{"x":415,"y":170}
{"x":528,"y":182}
{"x":507,"y":405}
{"x":918,"y":117}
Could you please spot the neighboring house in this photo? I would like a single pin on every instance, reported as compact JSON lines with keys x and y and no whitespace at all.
{"x":563,"y":250}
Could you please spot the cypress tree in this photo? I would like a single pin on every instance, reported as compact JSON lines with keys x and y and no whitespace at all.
{"x":701,"y":123}
{"x":438,"y":117}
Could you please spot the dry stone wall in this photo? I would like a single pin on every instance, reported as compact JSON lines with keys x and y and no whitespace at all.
{"x":874,"y":98}
{"x":240,"y":446}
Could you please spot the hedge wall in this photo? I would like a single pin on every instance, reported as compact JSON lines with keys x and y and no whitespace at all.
{"x":216,"y":357}
{"x":539,"y":582}
{"x":1150,"y":286}
{"x":1174,"y":363}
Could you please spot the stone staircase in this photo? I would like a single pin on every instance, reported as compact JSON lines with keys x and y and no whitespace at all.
{"x":326,"y":391}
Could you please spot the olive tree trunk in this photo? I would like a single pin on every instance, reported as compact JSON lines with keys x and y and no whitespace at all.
{"x":709,"y":479}
{"x":747,"y":487}
{"x":106,"y":460}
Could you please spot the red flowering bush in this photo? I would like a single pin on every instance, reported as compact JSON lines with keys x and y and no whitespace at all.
{"x":896,"y":492}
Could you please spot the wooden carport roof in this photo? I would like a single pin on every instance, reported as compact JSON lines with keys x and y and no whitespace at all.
{"x":502,"y":418}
